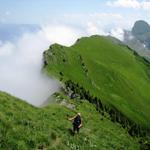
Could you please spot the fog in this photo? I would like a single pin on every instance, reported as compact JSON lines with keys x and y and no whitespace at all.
{"x":21,"y":63}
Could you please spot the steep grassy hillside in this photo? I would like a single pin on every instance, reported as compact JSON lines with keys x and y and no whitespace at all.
{"x":24,"y":127}
{"x":108,"y":71}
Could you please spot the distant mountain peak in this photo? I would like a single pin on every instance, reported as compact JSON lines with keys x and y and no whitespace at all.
{"x":141,"y":31}
{"x":140,"y":27}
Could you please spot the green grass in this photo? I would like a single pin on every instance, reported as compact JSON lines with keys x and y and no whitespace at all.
{"x":24,"y":127}
{"x":115,"y":75}
{"x":108,"y":71}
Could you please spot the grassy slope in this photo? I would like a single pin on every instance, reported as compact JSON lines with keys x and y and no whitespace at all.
{"x":115,"y":74}
{"x":24,"y":127}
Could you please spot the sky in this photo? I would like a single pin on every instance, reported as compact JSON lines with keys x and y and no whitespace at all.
{"x":94,"y":16}
{"x":60,"y":21}
{"x":44,"y":11}
{"x":39,"y":11}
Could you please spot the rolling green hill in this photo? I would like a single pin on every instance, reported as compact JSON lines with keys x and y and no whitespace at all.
{"x":24,"y":127}
{"x":110,"y":72}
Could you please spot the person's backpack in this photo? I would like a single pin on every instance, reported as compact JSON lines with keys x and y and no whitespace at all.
{"x":77,"y":121}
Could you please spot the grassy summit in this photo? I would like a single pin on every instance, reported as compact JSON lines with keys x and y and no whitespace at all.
{"x":24,"y":127}
{"x":109,"y":71}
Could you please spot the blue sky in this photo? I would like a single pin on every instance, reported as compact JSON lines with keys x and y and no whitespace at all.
{"x":43,"y":11}
{"x":37,"y":11}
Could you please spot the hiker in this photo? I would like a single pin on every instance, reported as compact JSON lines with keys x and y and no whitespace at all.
{"x":77,"y":122}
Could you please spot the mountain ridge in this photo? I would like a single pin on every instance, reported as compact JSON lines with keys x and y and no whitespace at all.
{"x":52,"y":59}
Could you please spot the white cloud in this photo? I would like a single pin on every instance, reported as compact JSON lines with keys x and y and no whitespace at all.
{"x":61,"y":34}
{"x":130,"y":4}
{"x":105,"y":15}
{"x":21,"y":62}
{"x":118,"y":33}
{"x":124,"y":3}
{"x":79,"y":20}
{"x":101,"y":23}
{"x":95,"y":23}
{"x":146,"y":5}
{"x":6,"y":49}
{"x":94,"y":29}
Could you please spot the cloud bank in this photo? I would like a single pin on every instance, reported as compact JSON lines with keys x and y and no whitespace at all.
{"x":130,"y":4}
{"x":21,"y":62}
